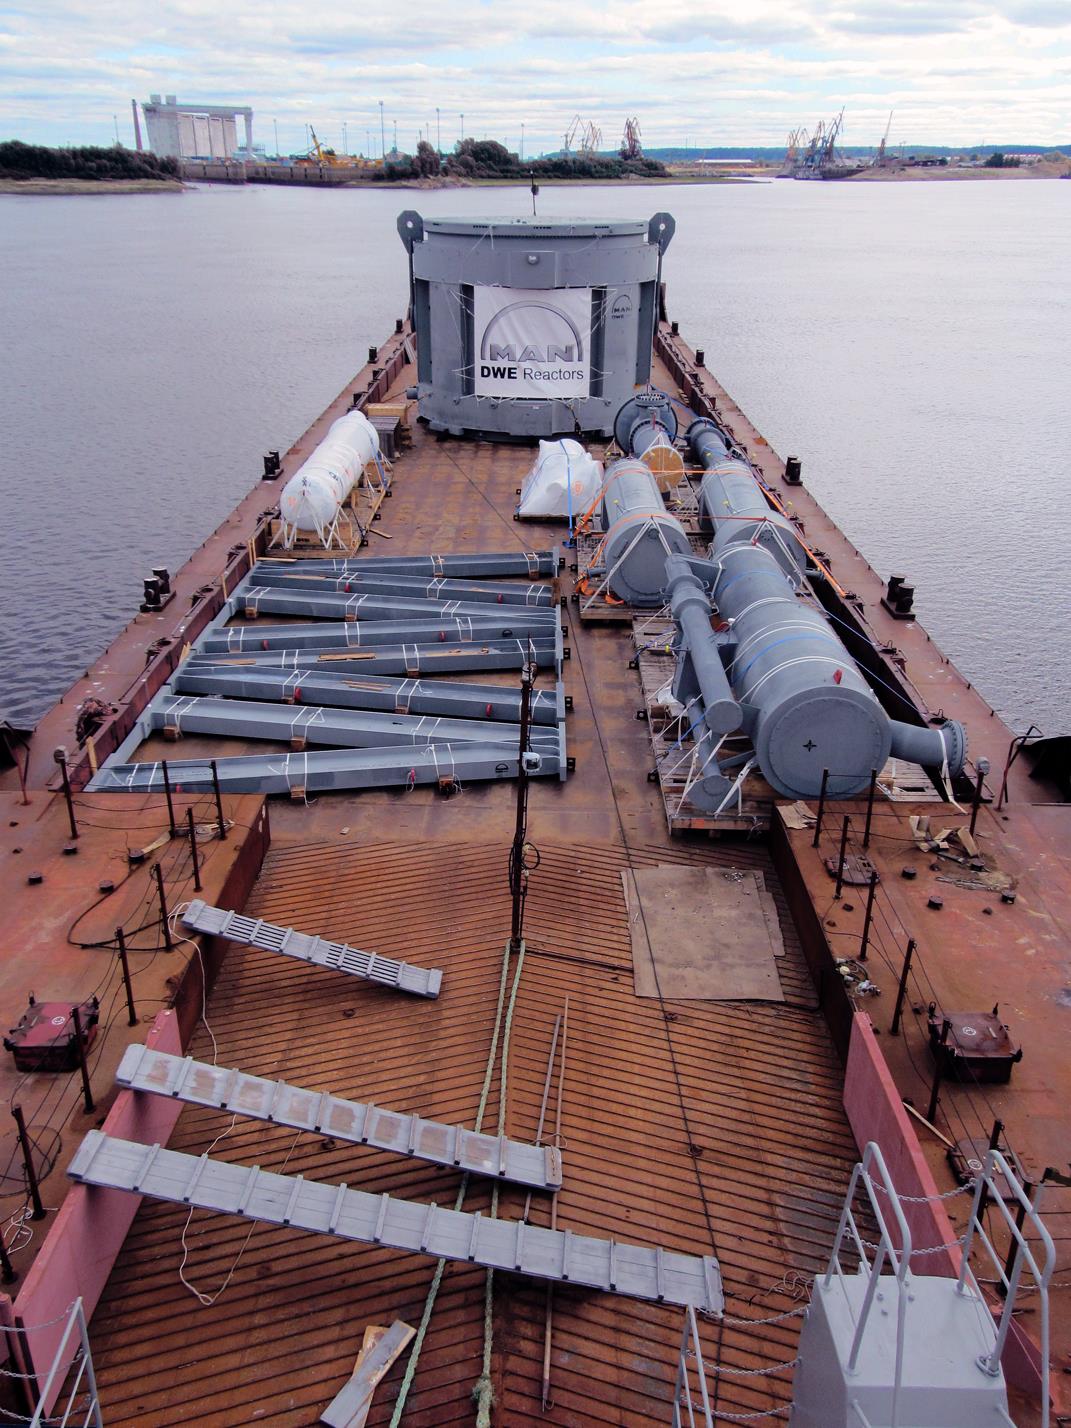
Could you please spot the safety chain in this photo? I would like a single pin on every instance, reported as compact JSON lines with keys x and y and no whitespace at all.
{"x":966,"y":1189}
{"x":927,"y":1249}
{"x":751,"y":1417}
{"x":753,"y":1373}
{"x":773,"y":1319}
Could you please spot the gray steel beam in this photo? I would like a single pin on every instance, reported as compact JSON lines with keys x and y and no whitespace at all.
{"x":335,"y":728}
{"x":508,"y":625}
{"x":254,"y":599}
{"x":344,"y":689}
{"x":317,"y":951}
{"x":320,"y":770}
{"x":479,"y":566}
{"x":199,"y":1083}
{"x":664,"y":1276}
{"x":413,"y":587}
{"x":387,"y":641}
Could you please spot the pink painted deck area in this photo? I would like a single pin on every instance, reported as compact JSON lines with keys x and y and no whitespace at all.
{"x":91,"y":1224}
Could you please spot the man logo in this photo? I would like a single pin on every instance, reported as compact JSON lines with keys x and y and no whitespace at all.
{"x":621,"y":306}
{"x":504,"y":339}
{"x":531,"y":343}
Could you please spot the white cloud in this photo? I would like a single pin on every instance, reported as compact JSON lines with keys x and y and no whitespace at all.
{"x":714,"y":71}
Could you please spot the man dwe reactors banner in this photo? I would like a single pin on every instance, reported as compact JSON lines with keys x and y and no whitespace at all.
{"x":532,"y":342}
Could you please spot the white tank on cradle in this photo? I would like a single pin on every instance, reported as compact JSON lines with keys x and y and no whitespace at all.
{"x":313,"y":497}
{"x":563,"y":482}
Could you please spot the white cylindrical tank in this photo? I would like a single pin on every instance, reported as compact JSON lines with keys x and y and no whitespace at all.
{"x":314,"y":495}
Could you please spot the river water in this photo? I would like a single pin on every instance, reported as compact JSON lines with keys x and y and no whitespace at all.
{"x":908,"y":341}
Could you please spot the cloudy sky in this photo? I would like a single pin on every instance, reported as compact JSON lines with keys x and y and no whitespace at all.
{"x":696,"y":71}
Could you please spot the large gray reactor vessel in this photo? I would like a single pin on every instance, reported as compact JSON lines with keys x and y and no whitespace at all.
{"x":527,"y":328}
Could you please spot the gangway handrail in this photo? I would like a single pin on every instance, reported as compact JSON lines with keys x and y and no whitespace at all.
{"x":873,"y":1175}
{"x":989,"y":1195}
{"x":61,"y":1366}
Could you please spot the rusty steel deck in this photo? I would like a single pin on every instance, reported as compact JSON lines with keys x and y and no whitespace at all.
{"x":707,"y":1127}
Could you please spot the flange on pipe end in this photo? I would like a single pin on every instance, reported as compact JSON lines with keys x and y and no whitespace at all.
{"x":945,"y":746}
{"x":654,"y":408}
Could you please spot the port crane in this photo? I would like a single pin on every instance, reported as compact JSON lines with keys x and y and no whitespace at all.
{"x":880,"y":160}
{"x":585,"y":134}
{"x":630,"y":140}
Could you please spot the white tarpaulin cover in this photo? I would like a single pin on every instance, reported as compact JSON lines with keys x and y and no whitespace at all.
{"x":563,"y":482}
{"x":532,"y":342}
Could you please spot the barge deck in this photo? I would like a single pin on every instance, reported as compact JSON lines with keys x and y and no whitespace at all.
{"x":712,"y":1127}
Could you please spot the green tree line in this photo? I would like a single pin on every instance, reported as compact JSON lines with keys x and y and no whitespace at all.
{"x":486,"y":158}
{"x":29,"y":161}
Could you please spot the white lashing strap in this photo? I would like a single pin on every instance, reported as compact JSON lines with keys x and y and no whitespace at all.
{"x":533,"y":562}
{"x":304,"y":717}
{"x":174,"y":712}
{"x":411,"y":662}
{"x":789,"y":663}
{"x":404,"y":697}
{"x":352,"y":632}
{"x":437,"y":565}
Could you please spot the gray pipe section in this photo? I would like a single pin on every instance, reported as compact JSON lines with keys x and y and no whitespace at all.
{"x":806,"y":705}
{"x":691,"y":610}
{"x":639,"y":534}
{"x":730,"y":495}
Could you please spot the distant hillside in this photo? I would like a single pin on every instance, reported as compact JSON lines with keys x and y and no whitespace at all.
{"x":775,"y":155}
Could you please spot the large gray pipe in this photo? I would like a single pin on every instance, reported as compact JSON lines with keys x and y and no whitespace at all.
{"x":805,"y":703}
{"x":691,"y":610}
{"x":640,"y":534}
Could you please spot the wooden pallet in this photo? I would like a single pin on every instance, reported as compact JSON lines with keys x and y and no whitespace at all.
{"x":653,"y":638}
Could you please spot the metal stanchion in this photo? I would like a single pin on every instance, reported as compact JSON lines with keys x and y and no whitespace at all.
{"x":167,"y":794}
{"x":868,"y":916}
{"x":193,"y":850}
{"x":219,"y":801}
{"x":28,"y":1165}
{"x":821,"y":809}
{"x":83,"y":1066}
{"x":163,"y":906}
{"x":870,"y":806}
{"x":935,"y":1092}
{"x":843,"y":854}
{"x":61,"y":758}
{"x":132,"y":1016}
{"x":894,"y":1030}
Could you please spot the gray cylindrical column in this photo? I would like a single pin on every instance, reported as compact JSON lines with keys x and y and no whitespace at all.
{"x":691,"y":610}
{"x":807,"y":706}
{"x":639,"y":534}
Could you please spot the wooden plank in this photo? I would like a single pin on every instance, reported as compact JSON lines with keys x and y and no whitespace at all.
{"x":349,"y":1407}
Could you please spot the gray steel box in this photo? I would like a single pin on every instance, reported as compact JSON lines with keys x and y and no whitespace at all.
{"x":450,"y":258}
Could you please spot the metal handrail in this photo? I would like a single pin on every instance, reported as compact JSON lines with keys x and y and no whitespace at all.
{"x":987,"y":1192}
{"x":61,"y":1366}
{"x":683,"y":1388}
{"x":897,"y":1255}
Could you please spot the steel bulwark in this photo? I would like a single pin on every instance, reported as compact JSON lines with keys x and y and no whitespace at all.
{"x":346,"y":690}
{"x":336,"y":728}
